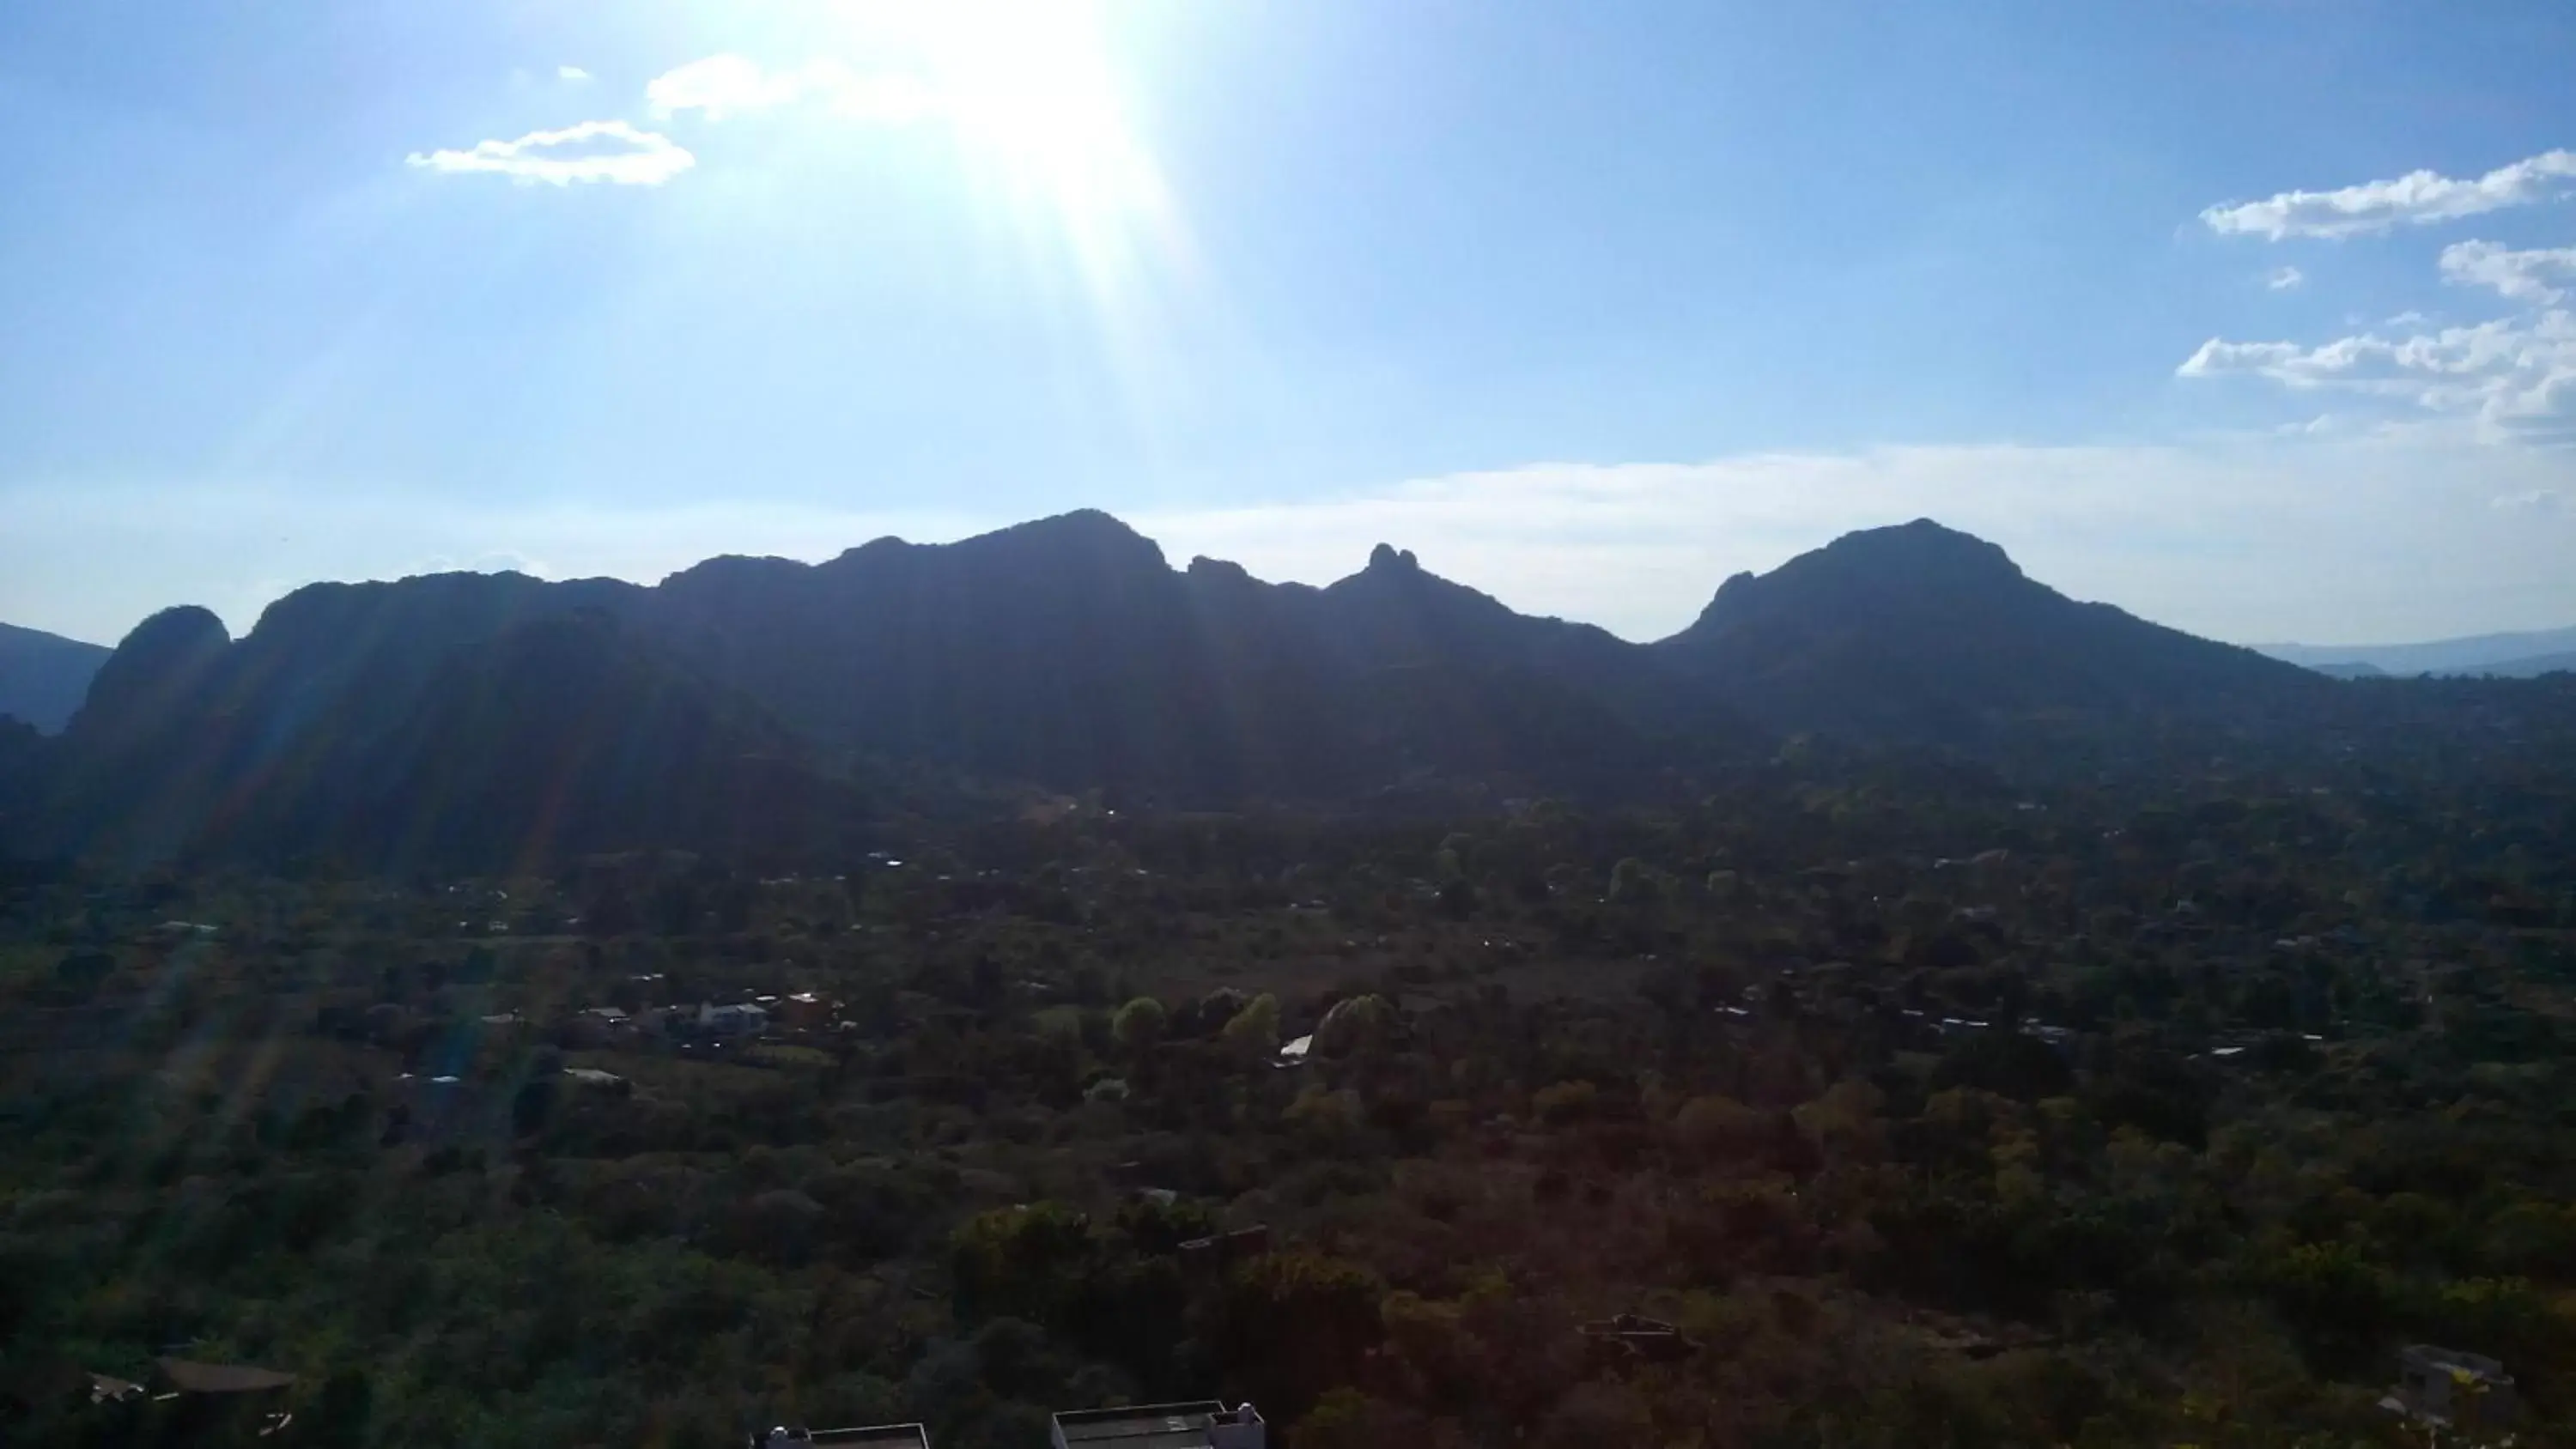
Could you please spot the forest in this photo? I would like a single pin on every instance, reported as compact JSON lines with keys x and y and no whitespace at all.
{"x":1923,"y":1103}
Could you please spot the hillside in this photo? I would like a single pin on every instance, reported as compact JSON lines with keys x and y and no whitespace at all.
{"x":551,"y":737}
{"x":43,"y":677}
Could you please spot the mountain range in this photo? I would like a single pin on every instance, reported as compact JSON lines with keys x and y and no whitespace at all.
{"x":759,"y":702}
{"x":2507,"y":656}
{"x":43,"y":677}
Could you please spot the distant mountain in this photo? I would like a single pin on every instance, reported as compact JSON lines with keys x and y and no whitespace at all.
{"x":2564,"y":661}
{"x":749,"y":703}
{"x":44,"y":676}
{"x":1922,"y":633}
{"x":2350,"y":670}
{"x":2505,"y":654}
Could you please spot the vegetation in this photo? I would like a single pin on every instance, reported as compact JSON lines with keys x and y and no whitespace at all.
{"x":2148,"y":1101}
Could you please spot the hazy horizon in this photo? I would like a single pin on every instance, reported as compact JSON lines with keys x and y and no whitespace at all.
{"x":2298,"y":650}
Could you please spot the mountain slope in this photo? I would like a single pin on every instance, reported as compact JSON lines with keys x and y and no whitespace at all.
{"x":1920,"y":633}
{"x":1058,"y":651}
{"x":562,"y":736}
{"x":43,"y":677}
{"x":559,"y":734}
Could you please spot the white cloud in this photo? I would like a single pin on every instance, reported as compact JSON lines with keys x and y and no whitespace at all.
{"x":2517,"y":376}
{"x":610,"y":151}
{"x":572,"y":73}
{"x":725,"y":85}
{"x":2524,"y":276}
{"x":2284,"y":279}
{"x":2536,"y":500}
{"x":2543,"y":412}
{"x":2415,"y":198}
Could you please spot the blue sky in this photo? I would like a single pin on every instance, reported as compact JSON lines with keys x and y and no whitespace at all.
{"x":2252,"y":317}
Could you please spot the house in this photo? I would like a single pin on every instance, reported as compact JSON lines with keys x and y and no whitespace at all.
{"x":1207,"y":1424}
{"x":740,"y":1019}
{"x":597,"y":1026}
{"x":2445,"y":1386}
{"x":806,"y":1011}
{"x":187,"y":1402}
{"x":880,"y":1436}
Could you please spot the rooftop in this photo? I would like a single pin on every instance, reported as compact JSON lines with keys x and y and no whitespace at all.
{"x":1204,"y":1424}
{"x":875,"y":1436}
{"x":222,"y":1378}
{"x":2433,"y":1355}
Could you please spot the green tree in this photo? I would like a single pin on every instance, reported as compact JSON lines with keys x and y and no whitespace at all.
{"x":1140,"y":1024}
{"x":1295,"y":1325}
{"x":1025,"y":1261}
{"x":1253,"y":1032}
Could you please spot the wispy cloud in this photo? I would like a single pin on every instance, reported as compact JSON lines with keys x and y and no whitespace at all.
{"x":2525,"y":276}
{"x":726,"y":85}
{"x":572,"y":73}
{"x":2416,"y":198}
{"x":2285,"y":279}
{"x":2533,"y":500}
{"x":722,"y":85}
{"x":609,"y":151}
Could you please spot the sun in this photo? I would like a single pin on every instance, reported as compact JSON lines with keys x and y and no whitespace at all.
{"x":1030,"y":88}
{"x":1032,"y":100}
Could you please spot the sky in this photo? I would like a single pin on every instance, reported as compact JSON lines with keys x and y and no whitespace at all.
{"x":2256,"y":317}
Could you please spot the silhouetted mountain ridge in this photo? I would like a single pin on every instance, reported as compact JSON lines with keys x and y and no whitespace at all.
{"x":464,"y":715}
{"x":1921,"y":633}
